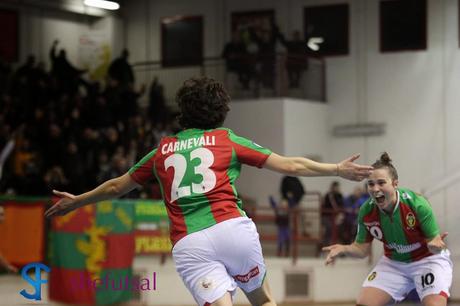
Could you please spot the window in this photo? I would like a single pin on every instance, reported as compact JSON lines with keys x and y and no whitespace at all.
{"x":329,"y":23}
{"x":9,"y":36}
{"x":403,"y":25}
{"x":182,"y":41}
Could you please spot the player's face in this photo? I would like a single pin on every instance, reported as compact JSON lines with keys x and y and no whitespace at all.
{"x":382,"y":189}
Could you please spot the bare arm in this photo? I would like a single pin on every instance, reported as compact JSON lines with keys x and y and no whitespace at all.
{"x":301,"y":166}
{"x":356,"y":250}
{"x":110,"y":189}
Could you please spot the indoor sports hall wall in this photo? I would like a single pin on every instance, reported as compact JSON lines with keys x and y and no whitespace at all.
{"x":415,"y":93}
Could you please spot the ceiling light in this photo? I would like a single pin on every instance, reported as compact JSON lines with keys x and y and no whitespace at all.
{"x":314,"y":43}
{"x":103,"y":4}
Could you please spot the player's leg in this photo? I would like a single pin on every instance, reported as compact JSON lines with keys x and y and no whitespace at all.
{"x":202,"y":272}
{"x":226,"y":300}
{"x":387,"y":282}
{"x":238,"y":245}
{"x":370,"y":296}
{"x":261,"y":296}
{"x":434,"y":300}
{"x":433,"y":278}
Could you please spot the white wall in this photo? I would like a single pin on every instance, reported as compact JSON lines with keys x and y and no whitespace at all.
{"x":306,"y":134}
{"x":261,"y":121}
{"x":286,"y":126}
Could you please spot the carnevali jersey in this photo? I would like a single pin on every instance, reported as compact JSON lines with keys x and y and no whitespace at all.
{"x":197,"y":170}
{"x":404,"y":232}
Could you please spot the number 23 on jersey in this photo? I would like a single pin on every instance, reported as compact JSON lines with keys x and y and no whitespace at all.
{"x":180,"y":164}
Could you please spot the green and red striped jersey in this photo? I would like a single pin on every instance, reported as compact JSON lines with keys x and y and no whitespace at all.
{"x":197,"y":170}
{"x":404,"y":232}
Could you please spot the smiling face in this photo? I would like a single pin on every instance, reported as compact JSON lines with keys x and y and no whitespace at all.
{"x":382,"y":189}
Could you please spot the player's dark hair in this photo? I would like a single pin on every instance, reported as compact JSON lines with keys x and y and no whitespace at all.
{"x":385,"y":162}
{"x":203,"y":103}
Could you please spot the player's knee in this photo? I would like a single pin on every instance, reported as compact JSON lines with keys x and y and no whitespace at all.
{"x":260,"y":297}
{"x":435,"y":300}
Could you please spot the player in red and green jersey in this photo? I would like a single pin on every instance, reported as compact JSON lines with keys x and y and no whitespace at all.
{"x":415,"y":253}
{"x":216,"y":247}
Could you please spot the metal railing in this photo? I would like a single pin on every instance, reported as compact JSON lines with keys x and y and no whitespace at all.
{"x":264,"y":82}
{"x":305,"y":224}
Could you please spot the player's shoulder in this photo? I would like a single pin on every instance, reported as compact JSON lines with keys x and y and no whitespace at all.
{"x":411,"y":197}
{"x":367,"y":207}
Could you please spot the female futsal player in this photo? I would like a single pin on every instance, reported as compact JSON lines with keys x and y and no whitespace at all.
{"x":215,"y":246}
{"x":415,"y":253}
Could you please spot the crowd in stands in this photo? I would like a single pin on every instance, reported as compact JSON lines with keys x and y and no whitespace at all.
{"x":59,"y":130}
{"x":252,"y":55}
{"x":339,"y":213}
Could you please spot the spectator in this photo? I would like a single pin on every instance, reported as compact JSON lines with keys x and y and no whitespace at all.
{"x":157,"y":103}
{"x":121,"y":71}
{"x":332,"y":216}
{"x":67,"y":76}
{"x":5,"y":74}
{"x":351,"y":206}
{"x":292,"y":190}
{"x":282,"y":222}
{"x":236,"y":57}
{"x":296,"y":61}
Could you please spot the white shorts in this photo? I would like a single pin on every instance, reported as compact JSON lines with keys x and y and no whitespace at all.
{"x":430,"y":275}
{"x":220,"y":258}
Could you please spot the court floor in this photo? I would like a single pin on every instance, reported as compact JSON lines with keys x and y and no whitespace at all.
{"x":11,"y":285}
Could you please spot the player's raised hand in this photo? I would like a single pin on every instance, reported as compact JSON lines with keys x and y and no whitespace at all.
{"x":66,"y":204}
{"x":437,"y":244}
{"x":334,"y":251}
{"x":348,"y":169}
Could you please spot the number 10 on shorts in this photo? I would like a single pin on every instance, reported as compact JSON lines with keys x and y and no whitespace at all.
{"x":427,"y":279}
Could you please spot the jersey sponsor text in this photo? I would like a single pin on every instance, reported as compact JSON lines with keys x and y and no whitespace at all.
{"x":401,"y":249}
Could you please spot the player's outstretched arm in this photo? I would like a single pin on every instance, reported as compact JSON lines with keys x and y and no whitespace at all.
{"x":357,"y":250}
{"x":301,"y":166}
{"x":110,"y":189}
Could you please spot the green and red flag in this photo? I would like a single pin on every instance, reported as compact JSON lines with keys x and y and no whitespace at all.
{"x":91,"y":253}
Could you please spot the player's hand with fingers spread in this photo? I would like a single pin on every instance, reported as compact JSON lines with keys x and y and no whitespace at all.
{"x":437,"y":244}
{"x":352,"y":171}
{"x":334,"y":251}
{"x":66,"y":204}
